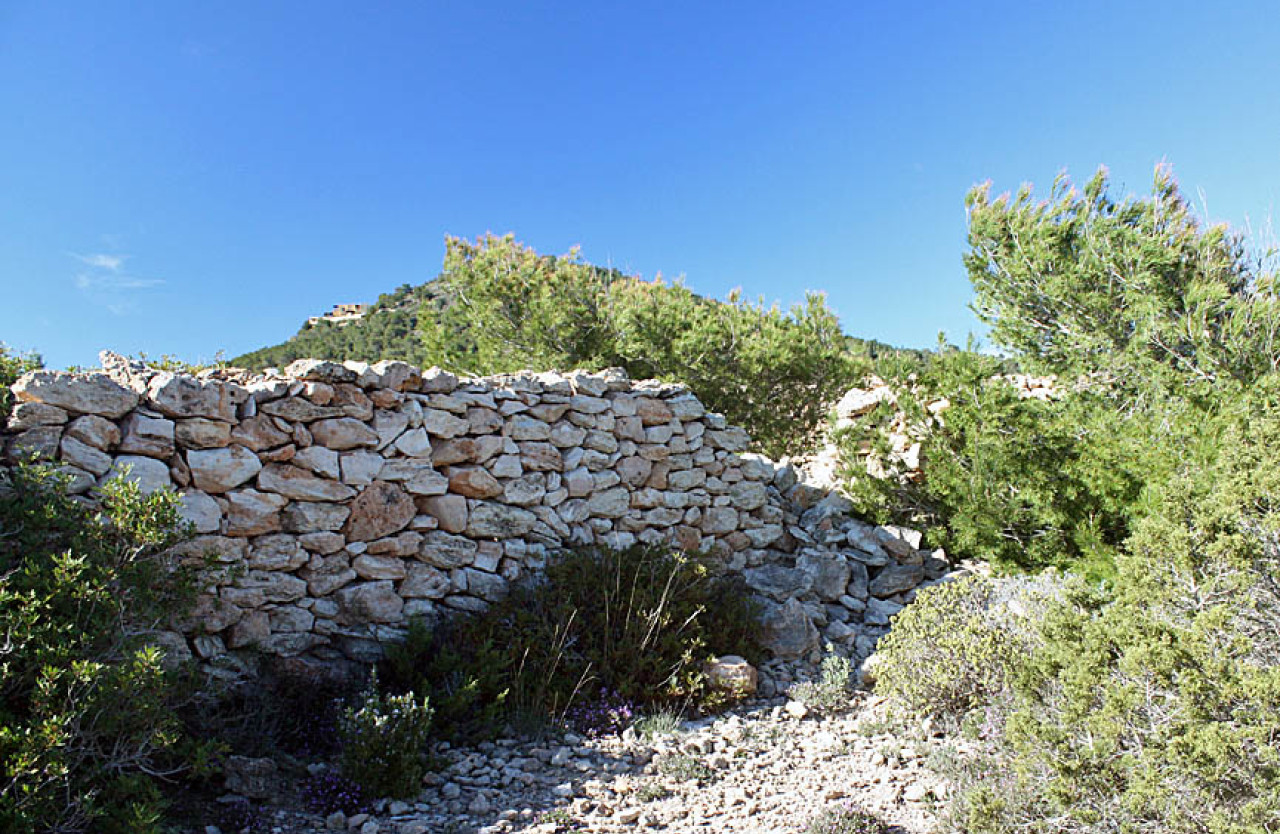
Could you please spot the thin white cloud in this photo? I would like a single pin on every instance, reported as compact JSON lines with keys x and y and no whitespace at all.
{"x":101,"y":260}
{"x":106,"y":283}
{"x":87,"y":281}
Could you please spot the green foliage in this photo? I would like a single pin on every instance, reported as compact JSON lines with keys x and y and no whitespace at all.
{"x":683,"y":767}
{"x":384,"y":740}
{"x":831,"y":692}
{"x":86,"y":718}
{"x":388,"y":331}
{"x":769,"y":371}
{"x":638,"y":622}
{"x":848,"y":818}
{"x":957,"y":647}
{"x":1022,"y":482}
{"x":12,"y":366}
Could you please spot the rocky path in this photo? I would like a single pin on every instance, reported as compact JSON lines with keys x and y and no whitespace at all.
{"x":767,"y":767}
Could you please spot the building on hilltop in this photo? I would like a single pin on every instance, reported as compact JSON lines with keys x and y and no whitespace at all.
{"x":341,"y":314}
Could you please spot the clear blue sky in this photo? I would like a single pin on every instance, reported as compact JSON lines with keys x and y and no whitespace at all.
{"x":188,"y":177}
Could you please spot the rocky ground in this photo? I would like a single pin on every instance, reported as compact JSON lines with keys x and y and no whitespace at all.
{"x":766,"y":766}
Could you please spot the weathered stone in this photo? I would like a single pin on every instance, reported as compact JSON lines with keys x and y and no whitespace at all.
{"x":733,"y":675}
{"x":300,"y":410}
{"x":474,"y":482}
{"x":497,"y":521}
{"x":258,"y":433}
{"x":31,"y":414}
{"x":652,"y":412}
{"x":299,"y":484}
{"x":322,"y":584}
{"x":396,"y":375}
{"x":319,"y":460}
{"x":323,"y":542}
{"x":880,"y":611}
{"x":369,"y":602}
{"x":859,"y":401}
{"x":78,"y":481}
{"x":84,"y":456}
{"x":93,"y":393}
{"x":360,"y":468}
{"x":212,"y":614}
{"x":634,"y":470}
{"x":449,"y":510}
{"x":447,"y":551}
{"x":224,"y":469}
{"x":389,"y":425}
{"x":686,"y":407}
{"x":308,"y":516}
{"x":424,"y":581}
{"x":180,"y":395}
{"x":202,"y":433}
{"x":252,"y":629}
{"x":748,"y":495}
{"x":828,"y":573}
{"x":717,"y":521}
{"x":379,"y":567}
{"x":438,"y":380}
{"x":208,"y":549}
{"x":541,"y":457}
{"x":319,"y":370}
{"x":201,"y":511}
{"x":526,"y":491}
{"x":150,"y":436}
{"x":148,"y":473}
{"x":343,"y":433}
{"x":443,"y":424}
{"x":252,"y":513}
{"x":686,"y":479}
{"x":274,"y":585}
{"x":40,"y":443}
{"x":787,"y":631}
{"x":277,"y":552}
{"x":486,"y":586}
{"x":732,"y":439}
{"x":291,"y":619}
{"x":894,"y":579}
{"x":612,"y":503}
{"x":507,"y":466}
{"x":777,"y":581}
{"x":859,"y":586}
{"x":95,"y":431}
{"x":415,"y":443}
{"x":380,"y":510}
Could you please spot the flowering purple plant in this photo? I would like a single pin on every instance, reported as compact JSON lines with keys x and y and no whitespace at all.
{"x":330,"y":791}
{"x":606,"y":714}
{"x":241,"y":817}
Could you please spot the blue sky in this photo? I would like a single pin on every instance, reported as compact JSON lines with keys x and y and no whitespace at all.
{"x":192,"y":177}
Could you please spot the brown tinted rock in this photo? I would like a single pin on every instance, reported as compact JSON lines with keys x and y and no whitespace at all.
{"x":98,"y":432}
{"x":449,"y":510}
{"x":380,"y":510}
{"x":343,"y":433}
{"x":369,"y":602}
{"x":224,"y":469}
{"x":179,"y":395}
{"x":732,"y":674}
{"x":253,"y":513}
{"x":202,"y":433}
{"x":79,"y":393}
{"x":652,"y":412}
{"x":423,"y":581}
{"x":449,"y":452}
{"x":541,"y":457}
{"x":379,"y":567}
{"x":299,"y":410}
{"x":314,"y":516}
{"x":259,"y":433}
{"x":445,"y":551}
{"x":301,"y":485}
{"x":474,"y":483}
{"x":84,"y":456}
{"x":277,"y":552}
{"x":498,"y":521}
{"x":29,"y":415}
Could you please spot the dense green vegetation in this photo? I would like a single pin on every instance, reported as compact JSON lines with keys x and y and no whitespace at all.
{"x":1150,"y":702}
{"x":87,"y":723}
{"x":499,"y":307}
{"x":605,"y":630}
{"x":12,"y":366}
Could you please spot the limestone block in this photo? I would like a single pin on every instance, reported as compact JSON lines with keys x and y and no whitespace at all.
{"x":381,"y":509}
{"x":342,"y":433}
{"x":202,"y":433}
{"x":149,"y":473}
{"x":224,"y":469}
{"x":299,"y":484}
{"x":93,"y":393}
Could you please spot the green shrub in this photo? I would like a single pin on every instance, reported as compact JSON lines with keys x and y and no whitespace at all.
{"x":958,"y":645}
{"x":831,"y":692}
{"x":848,"y":818}
{"x":384,"y":739}
{"x":637,"y":622}
{"x":12,"y":366}
{"x":86,"y":718}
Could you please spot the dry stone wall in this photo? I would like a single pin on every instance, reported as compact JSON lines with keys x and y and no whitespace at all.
{"x":339,"y":500}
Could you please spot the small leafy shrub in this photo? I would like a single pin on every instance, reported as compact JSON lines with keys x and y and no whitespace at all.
{"x":662,"y":722}
{"x":848,"y":818}
{"x":685,"y":768}
{"x":87,"y":720}
{"x":831,"y":692}
{"x":12,"y":366}
{"x":636,"y":623}
{"x":606,"y":714}
{"x":956,"y":647}
{"x":329,"y":791}
{"x":240,"y":816}
{"x":384,"y":740}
